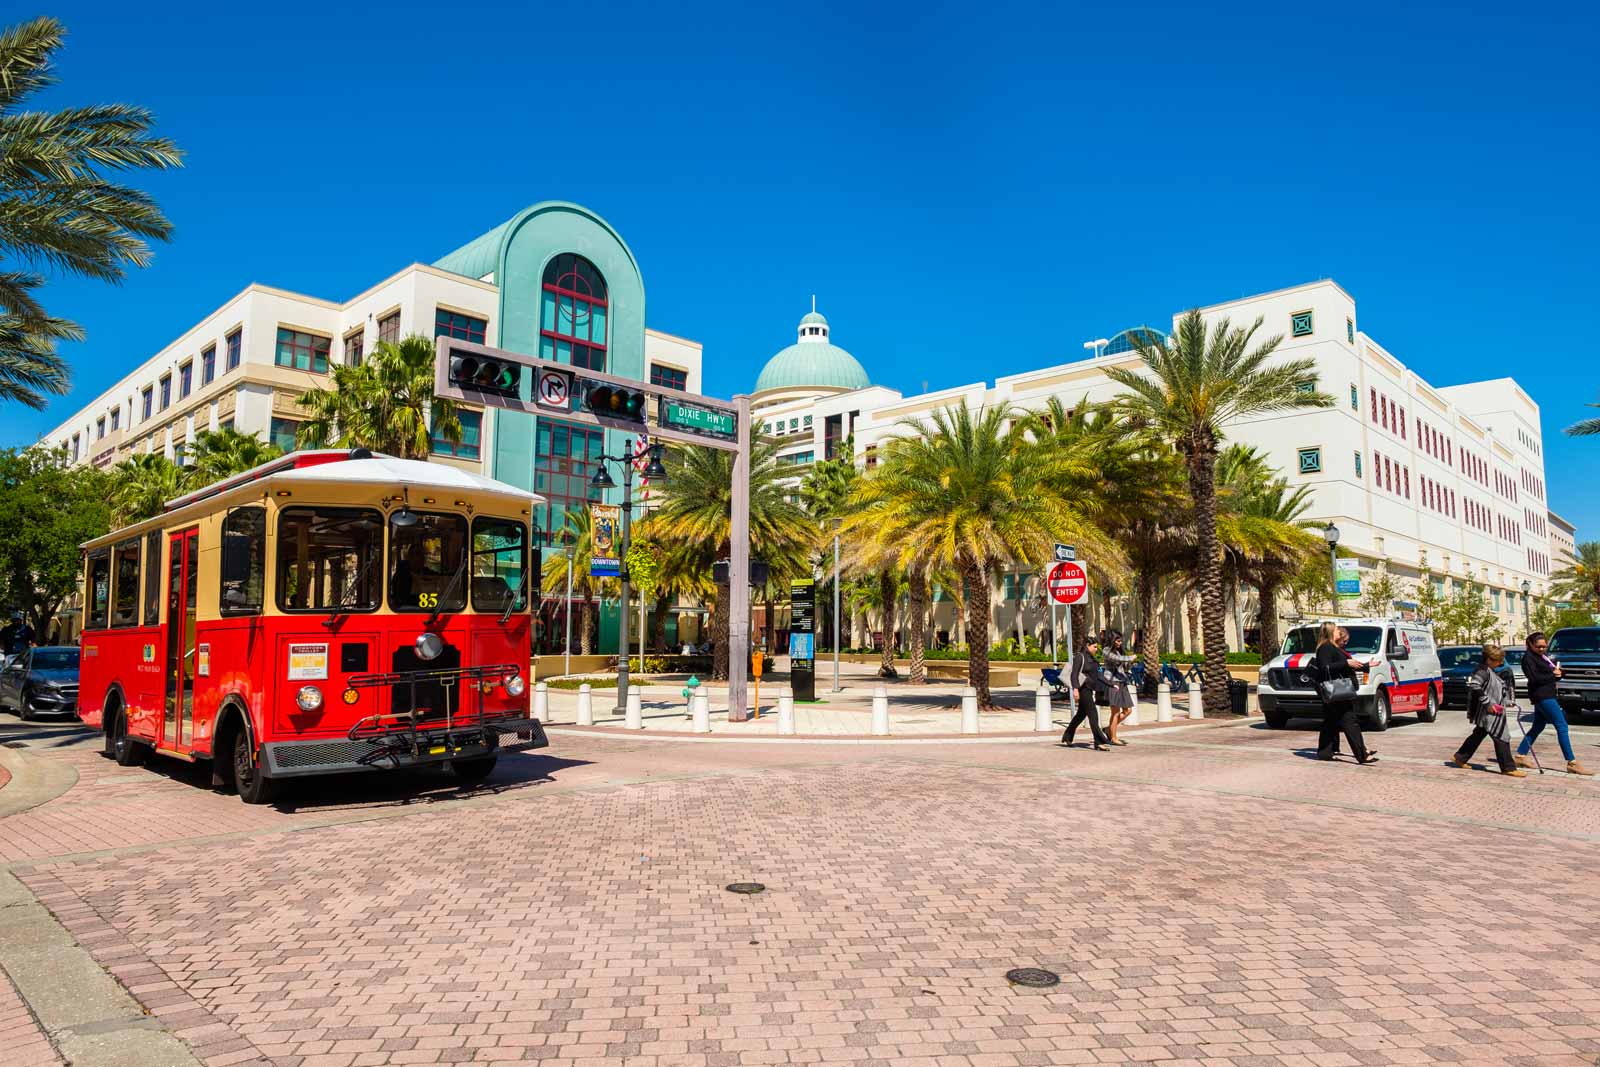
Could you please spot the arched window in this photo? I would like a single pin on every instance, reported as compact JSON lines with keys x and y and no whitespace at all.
{"x":572,"y":313}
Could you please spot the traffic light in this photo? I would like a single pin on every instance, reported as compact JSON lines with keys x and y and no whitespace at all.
{"x":486,"y":375}
{"x":614,"y":402}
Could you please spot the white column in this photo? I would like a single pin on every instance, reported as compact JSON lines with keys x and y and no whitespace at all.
{"x":1041,"y":708}
{"x":786,"y":711}
{"x":880,"y":711}
{"x":541,"y":701}
{"x":1163,"y":703}
{"x":585,"y":705}
{"x":969,"y":710}
{"x":1196,"y":708}
{"x":633,"y":717}
{"x":701,"y":702}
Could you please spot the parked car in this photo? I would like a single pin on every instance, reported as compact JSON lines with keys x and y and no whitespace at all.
{"x":1514,"y":665}
{"x":1577,"y":650}
{"x":1458,"y":662}
{"x":41,"y":681}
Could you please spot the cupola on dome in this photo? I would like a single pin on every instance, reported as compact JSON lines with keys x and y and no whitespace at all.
{"x":812,"y":361}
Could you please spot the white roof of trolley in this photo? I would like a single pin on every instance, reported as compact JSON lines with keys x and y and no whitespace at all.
{"x":380,"y":469}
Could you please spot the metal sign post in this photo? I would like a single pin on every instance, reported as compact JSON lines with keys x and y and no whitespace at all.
{"x":739,"y":569}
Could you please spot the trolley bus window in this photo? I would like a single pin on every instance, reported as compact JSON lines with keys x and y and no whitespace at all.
{"x":152,"y":578}
{"x":499,"y":564}
{"x":425,"y":562}
{"x":244,"y":556}
{"x":328,"y":559}
{"x":125,"y":587}
{"x":99,"y":590}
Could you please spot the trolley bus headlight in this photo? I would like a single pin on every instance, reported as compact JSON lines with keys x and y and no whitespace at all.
{"x":309,"y":698}
{"x":429,"y":646}
{"x":515,"y":685}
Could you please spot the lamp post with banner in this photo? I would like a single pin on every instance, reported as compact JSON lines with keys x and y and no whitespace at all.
{"x":602,"y":480}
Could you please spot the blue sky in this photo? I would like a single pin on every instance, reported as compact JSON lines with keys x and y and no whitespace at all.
{"x":970,"y":190}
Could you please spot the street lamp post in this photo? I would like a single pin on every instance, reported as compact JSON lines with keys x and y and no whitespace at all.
{"x":570,"y":550}
{"x":1527,"y":616}
{"x":835,"y":605}
{"x":1331,"y":534}
{"x":602,"y":480}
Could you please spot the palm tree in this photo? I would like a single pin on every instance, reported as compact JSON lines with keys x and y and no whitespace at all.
{"x":1579,"y":580}
{"x":142,"y":485}
{"x":384,"y":403}
{"x":57,"y":208}
{"x":1586,"y":428}
{"x":963,"y":490}
{"x":219,"y":454}
{"x":578,"y":531}
{"x":1192,"y":386}
{"x":695,"y":523}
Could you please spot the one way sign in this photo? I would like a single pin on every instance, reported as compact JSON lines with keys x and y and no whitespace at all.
{"x":1065,"y":553}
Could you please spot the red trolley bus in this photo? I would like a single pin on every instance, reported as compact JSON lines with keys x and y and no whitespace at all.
{"x":327,"y":612}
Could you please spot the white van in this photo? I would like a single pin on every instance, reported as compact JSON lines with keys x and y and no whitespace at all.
{"x":1402,"y":675}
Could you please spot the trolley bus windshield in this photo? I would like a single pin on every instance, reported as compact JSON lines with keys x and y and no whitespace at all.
{"x":427,"y":551}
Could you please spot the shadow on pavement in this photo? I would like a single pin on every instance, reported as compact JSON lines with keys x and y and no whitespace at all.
{"x":421,"y":786}
{"x":45,"y":733}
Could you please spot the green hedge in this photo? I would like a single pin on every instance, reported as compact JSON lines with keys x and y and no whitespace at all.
{"x":575,"y":683}
{"x":1242,"y":659}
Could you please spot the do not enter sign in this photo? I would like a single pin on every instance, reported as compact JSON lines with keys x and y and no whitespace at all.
{"x":1068,"y":583}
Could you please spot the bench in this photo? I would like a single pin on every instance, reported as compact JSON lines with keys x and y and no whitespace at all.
{"x":999,"y":677}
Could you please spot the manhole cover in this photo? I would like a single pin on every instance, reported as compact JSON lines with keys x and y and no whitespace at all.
{"x":1035,"y":977}
{"x":746,"y":887}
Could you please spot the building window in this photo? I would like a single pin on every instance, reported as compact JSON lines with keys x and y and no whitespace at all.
{"x":563,"y":461}
{"x":116,"y":417}
{"x":282,"y":433}
{"x":797,"y":459}
{"x":75,"y":448}
{"x":1358,"y":464}
{"x":1300,"y":324}
{"x":389,"y":328}
{"x":235,"y":342}
{"x":572,"y":313}
{"x":178,"y":453}
{"x":1350,"y":330}
{"x":353,"y":348}
{"x":1305,"y":387}
{"x":1494,"y":598}
{"x":146,"y":396}
{"x":1355,"y":398}
{"x":471,"y":437}
{"x":166,"y":392}
{"x":100,"y":427}
{"x":185,"y":380}
{"x":302,"y":351}
{"x":461,"y":327}
{"x":1310,"y":460}
{"x":669,"y":377}
{"x":208,"y":365}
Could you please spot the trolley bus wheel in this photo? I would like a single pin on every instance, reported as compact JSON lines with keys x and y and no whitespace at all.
{"x":473,"y":771}
{"x":254,"y":788}
{"x":119,"y":746}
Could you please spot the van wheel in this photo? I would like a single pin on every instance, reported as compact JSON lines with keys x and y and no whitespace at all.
{"x":253,"y":786}
{"x":473,"y":771}
{"x":119,"y":746}
{"x":1431,"y":712}
{"x":1380,"y":712}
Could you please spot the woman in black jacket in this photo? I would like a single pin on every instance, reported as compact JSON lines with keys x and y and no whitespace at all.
{"x":1334,"y":663}
{"x":1542,"y":673}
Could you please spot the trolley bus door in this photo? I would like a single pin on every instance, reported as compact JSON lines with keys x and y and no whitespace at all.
{"x":183,"y":550}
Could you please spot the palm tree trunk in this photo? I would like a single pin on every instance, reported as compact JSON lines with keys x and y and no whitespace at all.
{"x":1269,"y":618}
{"x":1080,"y":624}
{"x":721,"y":617}
{"x":886,"y":589}
{"x":917,"y":592}
{"x":586,"y":629}
{"x":1202,"y":486}
{"x":658,"y":623}
{"x":1149,"y":626}
{"x":978,"y":631}
{"x":1191,"y":605}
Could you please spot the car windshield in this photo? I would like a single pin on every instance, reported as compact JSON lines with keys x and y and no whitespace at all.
{"x":1458,"y":657}
{"x":1364,"y":640}
{"x":55,"y":659}
{"x":1575,"y":641}
{"x":427,"y":553}
{"x":1514,"y":657}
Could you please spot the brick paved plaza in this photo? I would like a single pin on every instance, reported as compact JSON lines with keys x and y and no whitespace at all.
{"x":1208,"y":895}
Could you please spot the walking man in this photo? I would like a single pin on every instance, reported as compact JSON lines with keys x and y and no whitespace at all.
{"x":1087,"y":678}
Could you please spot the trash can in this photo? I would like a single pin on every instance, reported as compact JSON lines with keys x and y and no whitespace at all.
{"x":1238,"y":696}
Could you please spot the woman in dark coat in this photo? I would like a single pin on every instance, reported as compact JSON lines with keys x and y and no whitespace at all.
{"x":1490,"y":706}
{"x":1332,"y":662}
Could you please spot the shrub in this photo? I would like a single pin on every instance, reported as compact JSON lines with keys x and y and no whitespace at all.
{"x":574,"y":683}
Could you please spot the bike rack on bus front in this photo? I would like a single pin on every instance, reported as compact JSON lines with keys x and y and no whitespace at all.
{"x":389,"y":742}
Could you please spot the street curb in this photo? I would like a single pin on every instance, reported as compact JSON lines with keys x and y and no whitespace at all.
{"x":84,"y":1011}
{"x":1043,"y":737}
{"x":33,"y":781}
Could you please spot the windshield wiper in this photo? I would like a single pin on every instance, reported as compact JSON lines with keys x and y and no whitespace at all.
{"x":466,"y":557}
{"x":343,"y":607}
{"x":522,"y":584}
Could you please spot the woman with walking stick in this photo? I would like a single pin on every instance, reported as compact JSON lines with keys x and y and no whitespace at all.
{"x":1490,"y":708}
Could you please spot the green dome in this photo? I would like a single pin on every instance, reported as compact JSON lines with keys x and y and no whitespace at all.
{"x":813,"y":318}
{"x":812,"y":363}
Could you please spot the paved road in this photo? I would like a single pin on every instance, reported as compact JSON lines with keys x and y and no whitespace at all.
{"x":1209,"y":896}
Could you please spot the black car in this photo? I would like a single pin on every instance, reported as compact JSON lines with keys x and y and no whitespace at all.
{"x":41,"y":681}
{"x":1456,"y":663}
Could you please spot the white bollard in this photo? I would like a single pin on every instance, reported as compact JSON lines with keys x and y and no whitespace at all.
{"x":1133,"y":716}
{"x":786,"y":711}
{"x":1196,"y":708}
{"x":701,"y":702}
{"x":585,"y":705}
{"x":1163,"y":703}
{"x":880,"y":712}
{"x":541,"y":702}
{"x":1041,"y":709}
{"x":634,"y":717}
{"x":969,"y":710}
